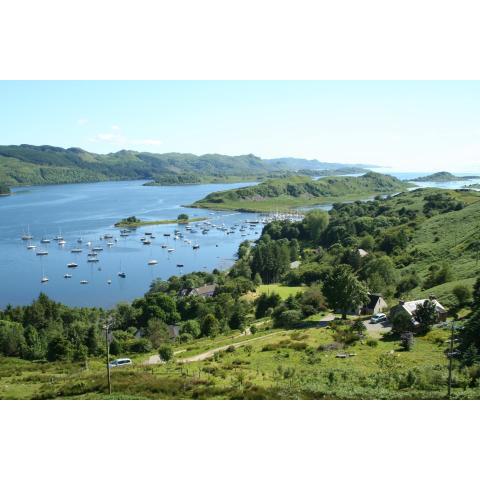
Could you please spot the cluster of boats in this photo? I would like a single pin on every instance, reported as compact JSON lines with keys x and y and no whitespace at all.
{"x":147,"y":238}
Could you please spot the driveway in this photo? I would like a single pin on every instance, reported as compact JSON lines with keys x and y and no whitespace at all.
{"x":376,"y":329}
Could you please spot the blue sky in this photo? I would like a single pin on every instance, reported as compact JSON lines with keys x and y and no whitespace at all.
{"x":408,"y":126}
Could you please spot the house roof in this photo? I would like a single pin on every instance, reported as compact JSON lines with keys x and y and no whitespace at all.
{"x":411,"y":306}
{"x":362,"y":252}
{"x":205,"y":290}
{"x":295,"y":264}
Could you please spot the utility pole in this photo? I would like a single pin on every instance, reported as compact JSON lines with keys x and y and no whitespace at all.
{"x":450,"y":357}
{"x":106,"y":327}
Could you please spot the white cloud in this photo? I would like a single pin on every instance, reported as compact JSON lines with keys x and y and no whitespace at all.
{"x":82,"y":121}
{"x":118,"y":139}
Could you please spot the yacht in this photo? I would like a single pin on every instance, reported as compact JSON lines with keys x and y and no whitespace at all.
{"x":42,"y":252}
{"x":79,"y":240}
{"x":83,"y":282}
{"x":76,"y":250}
{"x":27,"y":236}
{"x":109,"y":282}
{"x":44,"y":279}
{"x":72,"y":265}
{"x":180,"y":265}
{"x":170,"y":250}
{"x":67,"y":275}
{"x":31,"y":247}
{"x":152,"y":262}
{"x":62,"y":242}
{"x":122,"y":274}
{"x":196,"y":246}
{"x":97,"y":249}
{"x":45,"y":240}
{"x":93,"y":260}
{"x":110,"y":244}
{"x":147,"y":242}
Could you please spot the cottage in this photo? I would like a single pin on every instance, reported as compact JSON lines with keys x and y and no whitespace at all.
{"x":362,"y":252}
{"x":376,"y":304}
{"x":410,"y":307}
{"x":205,"y":291}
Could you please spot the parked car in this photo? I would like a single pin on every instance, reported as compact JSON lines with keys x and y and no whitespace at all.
{"x":378,"y":317}
{"x":120,"y":362}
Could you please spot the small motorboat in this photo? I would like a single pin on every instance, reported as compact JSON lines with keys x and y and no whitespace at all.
{"x":42,"y":252}
{"x":170,"y":250}
{"x":44,"y":279}
{"x":196,"y":246}
{"x":152,"y":262}
{"x":67,"y":275}
{"x":109,"y":282}
{"x":180,"y":265}
{"x":31,"y":247}
{"x":83,"y":282}
{"x":72,"y":265}
{"x":122,"y":274}
{"x":93,"y":260}
{"x":97,"y":249}
{"x":147,"y":242}
{"x":76,"y":250}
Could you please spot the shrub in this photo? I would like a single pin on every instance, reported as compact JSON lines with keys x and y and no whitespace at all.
{"x":140,"y":345}
{"x":372,"y":342}
{"x":230,"y":349}
{"x":165,"y":352}
{"x":406,"y":340}
{"x":253,"y":330}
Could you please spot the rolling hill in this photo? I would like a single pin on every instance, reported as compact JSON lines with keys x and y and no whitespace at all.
{"x":443,"y":177}
{"x":30,"y":164}
{"x":293,"y":192}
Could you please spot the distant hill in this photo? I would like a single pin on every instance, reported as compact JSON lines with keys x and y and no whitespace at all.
{"x":294,"y":192}
{"x":30,"y":164}
{"x":442,"y":177}
{"x":293,"y":163}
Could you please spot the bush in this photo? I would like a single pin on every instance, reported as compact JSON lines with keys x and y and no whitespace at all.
{"x":372,"y":342}
{"x":230,"y":349}
{"x":288,"y":319}
{"x":253,"y":329}
{"x":165,"y":352}
{"x":407,"y":340}
{"x":140,"y":345}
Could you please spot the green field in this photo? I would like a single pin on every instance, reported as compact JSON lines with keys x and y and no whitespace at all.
{"x":290,"y":364}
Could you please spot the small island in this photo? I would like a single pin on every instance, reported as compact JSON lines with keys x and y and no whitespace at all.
{"x":134,"y":222}
{"x":442,"y":177}
{"x":4,"y":190}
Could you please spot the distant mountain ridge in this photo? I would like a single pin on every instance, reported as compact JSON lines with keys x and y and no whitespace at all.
{"x":29,"y":164}
{"x":295,"y":163}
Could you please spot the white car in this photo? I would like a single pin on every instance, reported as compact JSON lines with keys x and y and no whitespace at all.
{"x":378,"y":317}
{"x":121,"y":362}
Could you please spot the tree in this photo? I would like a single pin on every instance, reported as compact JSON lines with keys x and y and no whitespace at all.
{"x":157,"y":332}
{"x":12,"y":340}
{"x":183,"y":217}
{"x":59,"y":348}
{"x":92,"y":341}
{"x":165,"y":352}
{"x":426,"y":315}
{"x":367,"y":243}
{"x":191,"y":327}
{"x":343,"y":291}
{"x":288,"y":319}
{"x":316,"y":221}
{"x":401,"y":322}
{"x":266,"y":301}
{"x":462,"y":294}
{"x":380,"y":274}
{"x":210,"y":326}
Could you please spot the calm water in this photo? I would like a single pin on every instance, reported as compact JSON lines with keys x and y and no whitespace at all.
{"x":89,"y":211}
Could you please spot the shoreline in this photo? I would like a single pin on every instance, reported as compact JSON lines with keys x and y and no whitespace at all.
{"x":158,"y":222}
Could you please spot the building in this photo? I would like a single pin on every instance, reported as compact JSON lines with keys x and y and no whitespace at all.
{"x":294,"y":265}
{"x":376,"y":304}
{"x":205,"y":291}
{"x":411,"y":306}
{"x":362,"y":252}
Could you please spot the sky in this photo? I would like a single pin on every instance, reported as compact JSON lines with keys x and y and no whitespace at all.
{"x":416,"y":126}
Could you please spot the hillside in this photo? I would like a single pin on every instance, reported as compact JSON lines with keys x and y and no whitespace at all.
{"x":300,"y":191}
{"x":29,"y":164}
{"x":442,"y":177}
